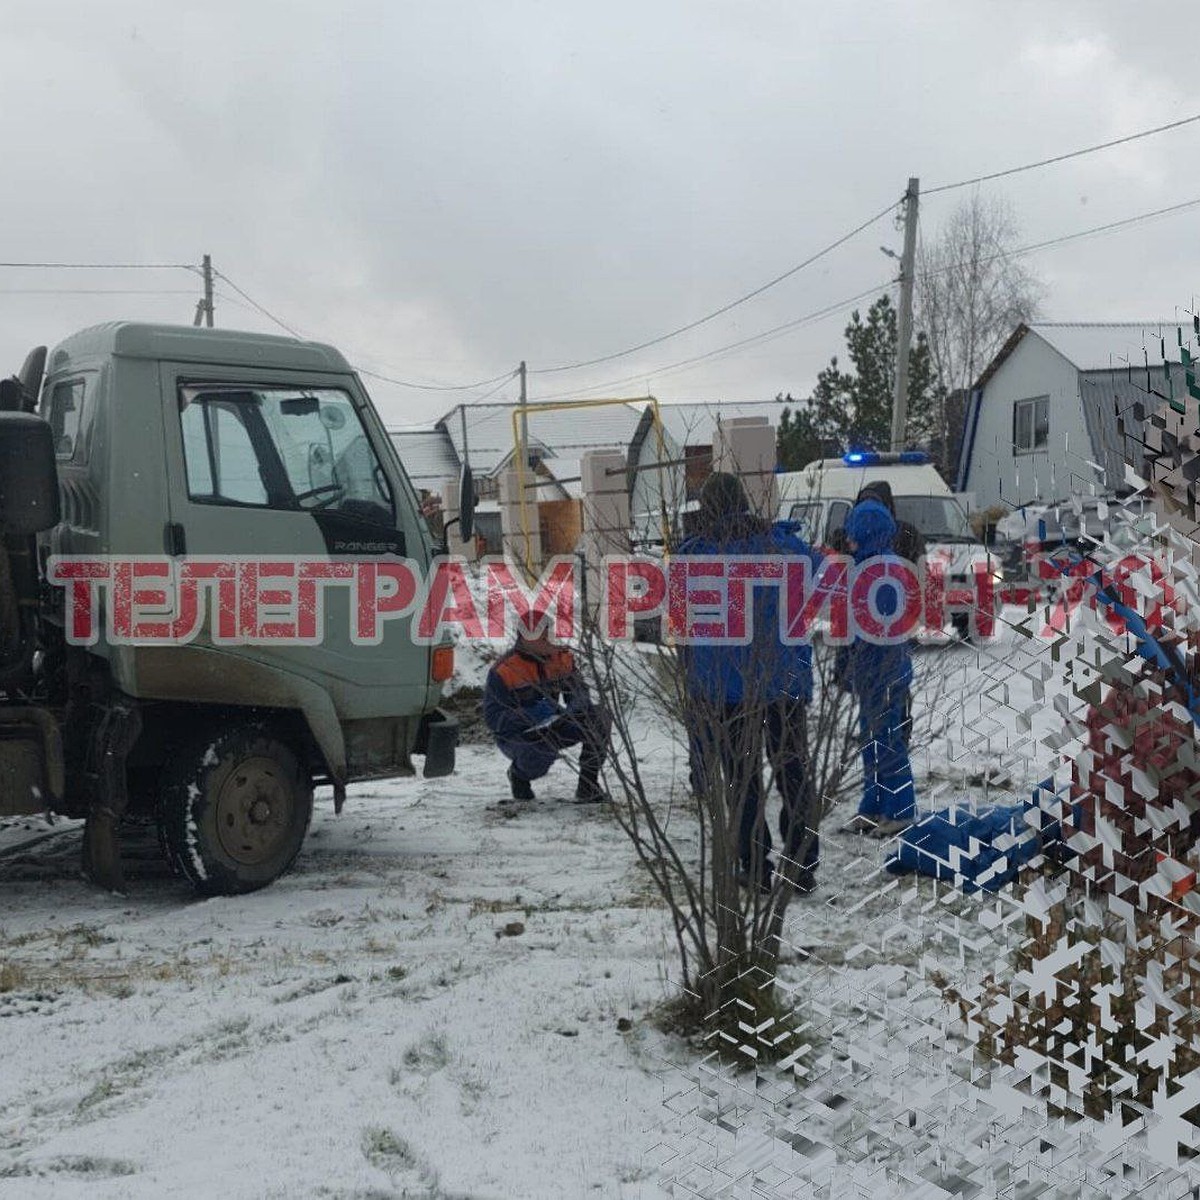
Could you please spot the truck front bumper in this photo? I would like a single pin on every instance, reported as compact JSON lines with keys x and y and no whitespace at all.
{"x":437,"y":739}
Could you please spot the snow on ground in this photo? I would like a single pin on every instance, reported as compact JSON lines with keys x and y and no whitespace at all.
{"x":447,"y":999}
{"x":433,"y":993}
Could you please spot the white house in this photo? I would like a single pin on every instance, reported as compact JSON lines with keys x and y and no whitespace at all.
{"x":1059,"y":410}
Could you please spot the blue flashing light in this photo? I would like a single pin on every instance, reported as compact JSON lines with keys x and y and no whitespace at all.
{"x":873,"y":458}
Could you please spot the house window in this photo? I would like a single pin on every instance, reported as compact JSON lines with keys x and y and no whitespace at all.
{"x":1031,"y":425}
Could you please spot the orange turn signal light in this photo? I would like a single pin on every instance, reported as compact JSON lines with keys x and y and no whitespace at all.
{"x":441,"y":665}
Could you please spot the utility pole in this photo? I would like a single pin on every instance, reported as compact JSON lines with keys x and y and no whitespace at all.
{"x":204,"y":309}
{"x":904,"y":319}
{"x":524,"y":420}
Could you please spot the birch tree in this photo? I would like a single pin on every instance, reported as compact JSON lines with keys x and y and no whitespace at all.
{"x":971,"y":293}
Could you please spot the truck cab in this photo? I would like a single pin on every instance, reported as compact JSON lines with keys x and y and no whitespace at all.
{"x":189,"y":443}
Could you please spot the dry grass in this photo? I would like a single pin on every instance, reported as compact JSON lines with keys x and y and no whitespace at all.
{"x":65,"y":962}
{"x":12,"y":977}
{"x":644,"y":895}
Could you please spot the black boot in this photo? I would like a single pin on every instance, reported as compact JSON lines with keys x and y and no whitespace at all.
{"x":521,"y":788}
{"x":597,"y":726}
{"x":589,"y":791}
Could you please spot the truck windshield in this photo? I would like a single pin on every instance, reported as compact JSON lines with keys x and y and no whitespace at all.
{"x":281,"y":448}
{"x":936,"y":518}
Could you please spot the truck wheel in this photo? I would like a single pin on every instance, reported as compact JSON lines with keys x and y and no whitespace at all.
{"x":234,"y":809}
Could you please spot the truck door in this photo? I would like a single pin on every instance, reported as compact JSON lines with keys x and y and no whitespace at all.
{"x":279,"y":465}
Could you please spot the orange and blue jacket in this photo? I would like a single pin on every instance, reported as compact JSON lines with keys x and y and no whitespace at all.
{"x":523,"y":690}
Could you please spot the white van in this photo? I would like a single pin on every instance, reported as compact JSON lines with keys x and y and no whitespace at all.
{"x":821,"y":496}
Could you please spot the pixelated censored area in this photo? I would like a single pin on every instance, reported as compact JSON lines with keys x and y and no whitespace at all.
{"x":1037,"y":1038}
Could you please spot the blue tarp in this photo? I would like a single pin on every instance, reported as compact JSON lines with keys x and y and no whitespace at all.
{"x":981,"y":848}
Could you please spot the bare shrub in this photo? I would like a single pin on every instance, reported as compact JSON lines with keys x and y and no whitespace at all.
{"x":729,"y":937}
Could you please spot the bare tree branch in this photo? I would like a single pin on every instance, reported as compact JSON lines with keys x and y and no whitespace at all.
{"x":971,"y":294}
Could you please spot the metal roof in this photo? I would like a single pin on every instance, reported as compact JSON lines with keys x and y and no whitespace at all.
{"x":1097,"y":346}
{"x":1115,"y":408}
{"x":695,"y":424}
{"x":557,"y":432}
{"x":187,"y":343}
{"x":565,"y":472}
{"x":427,"y":454}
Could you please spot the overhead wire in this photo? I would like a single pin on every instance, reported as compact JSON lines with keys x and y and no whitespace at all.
{"x":732,"y":347}
{"x":81,"y":266}
{"x":859,"y":229}
{"x":266,"y":312}
{"x":1057,"y":158}
{"x":95,"y":292}
{"x":1109,"y":227}
{"x":870,"y":221}
{"x":758,"y":291}
{"x":406,"y":383}
{"x":440,"y":387}
{"x":500,"y":380}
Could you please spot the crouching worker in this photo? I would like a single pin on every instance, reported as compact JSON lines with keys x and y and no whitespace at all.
{"x":880,"y":676}
{"x":536,"y":704}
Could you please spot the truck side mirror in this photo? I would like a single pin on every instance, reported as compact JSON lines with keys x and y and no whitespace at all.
{"x":12,"y":395}
{"x":28,"y":475}
{"x":33,"y":371}
{"x":466,"y":503}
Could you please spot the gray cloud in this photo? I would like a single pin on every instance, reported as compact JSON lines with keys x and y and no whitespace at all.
{"x":445,"y":189}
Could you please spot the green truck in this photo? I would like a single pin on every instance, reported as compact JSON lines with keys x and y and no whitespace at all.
{"x":134,"y":441}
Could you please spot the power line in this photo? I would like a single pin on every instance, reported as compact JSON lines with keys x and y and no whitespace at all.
{"x":758,"y":291}
{"x":489,"y":394}
{"x":77,"y":266}
{"x":266,"y":312}
{"x":1110,"y":227}
{"x":1126,"y":221}
{"x":94,"y":292}
{"x":761,"y":337}
{"x":439,"y":387}
{"x":428,"y":387}
{"x":1045,"y":162}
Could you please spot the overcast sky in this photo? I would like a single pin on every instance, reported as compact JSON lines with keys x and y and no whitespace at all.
{"x":442,"y":189}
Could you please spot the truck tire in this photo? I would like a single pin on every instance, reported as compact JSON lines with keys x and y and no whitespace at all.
{"x":233,"y":809}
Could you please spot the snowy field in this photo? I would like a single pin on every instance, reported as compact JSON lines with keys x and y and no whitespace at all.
{"x":447,"y":998}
